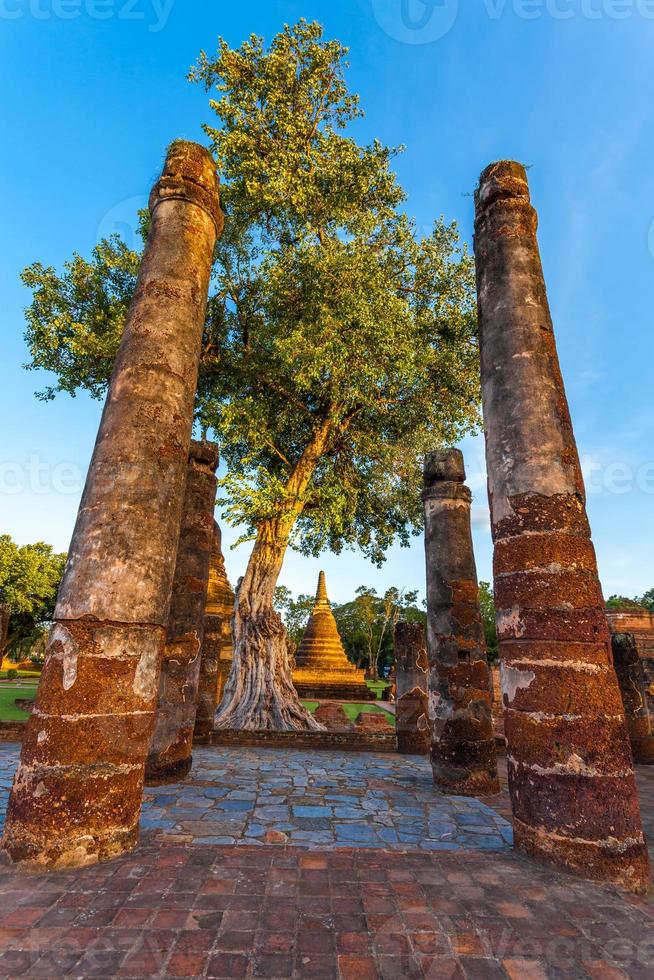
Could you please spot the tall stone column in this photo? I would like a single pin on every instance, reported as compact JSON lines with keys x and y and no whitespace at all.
{"x":633,"y":690}
{"x":570,"y":771}
{"x":170,"y":754}
{"x":216,"y":653}
{"x":412,"y":681}
{"x":463,"y":754}
{"x":76,"y":796}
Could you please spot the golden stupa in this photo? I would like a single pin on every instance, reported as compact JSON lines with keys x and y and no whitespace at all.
{"x":323,"y":670}
{"x":220,"y":604}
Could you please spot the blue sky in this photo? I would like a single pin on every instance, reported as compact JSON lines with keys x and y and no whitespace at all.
{"x":95,"y":89}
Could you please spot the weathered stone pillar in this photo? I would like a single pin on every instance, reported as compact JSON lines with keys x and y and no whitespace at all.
{"x":411,"y":678}
{"x":462,"y":745}
{"x":633,"y":690}
{"x":171,"y":749}
{"x":76,"y":797}
{"x":570,"y":771}
{"x":216,"y":653}
{"x":218,"y":649}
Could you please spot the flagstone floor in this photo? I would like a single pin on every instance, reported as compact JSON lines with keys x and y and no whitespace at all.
{"x":318,"y":799}
{"x":293,"y":864}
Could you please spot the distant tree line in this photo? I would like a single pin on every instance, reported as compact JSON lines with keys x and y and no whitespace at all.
{"x":29,"y":580}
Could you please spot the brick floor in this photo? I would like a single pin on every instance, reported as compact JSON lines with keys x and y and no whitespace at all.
{"x":204,"y":910}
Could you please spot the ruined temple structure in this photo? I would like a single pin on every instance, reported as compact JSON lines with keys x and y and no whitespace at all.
{"x":463,"y":753}
{"x":411,"y":678}
{"x":322,"y":669}
{"x":169,"y":758}
{"x":217,"y":648}
{"x":76,"y":797}
{"x":631,"y":678}
{"x":571,"y":778}
{"x":640,"y":623}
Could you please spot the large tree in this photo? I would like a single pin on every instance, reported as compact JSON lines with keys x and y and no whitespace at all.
{"x":29,"y":579}
{"x":339,"y":344}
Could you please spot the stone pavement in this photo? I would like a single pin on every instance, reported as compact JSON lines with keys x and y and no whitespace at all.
{"x":181,"y":907}
{"x":309,"y":799}
{"x":318,"y":799}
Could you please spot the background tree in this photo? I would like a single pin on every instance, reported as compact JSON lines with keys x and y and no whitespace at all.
{"x":29,"y":580}
{"x":487,"y":604}
{"x":294,"y":612}
{"x":367,"y":624}
{"x":645,"y":601}
{"x":339,"y":346}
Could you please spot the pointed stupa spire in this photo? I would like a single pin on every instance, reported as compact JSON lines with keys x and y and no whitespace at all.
{"x":322,"y":599}
{"x":323,"y":669}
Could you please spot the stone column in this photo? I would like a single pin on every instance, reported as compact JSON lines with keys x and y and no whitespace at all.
{"x":171,"y":749}
{"x":462,"y":744}
{"x":633,"y":690}
{"x":570,"y":771}
{"x":76,"y":796}
{"x":215,"y":656}
{"x":411,"y":678}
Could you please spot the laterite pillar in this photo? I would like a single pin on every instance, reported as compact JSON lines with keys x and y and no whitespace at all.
{"x":463,"y":754}
{"x":571,"y":776}
{"x":76,"y":796}
{"x":412,"y":679}
{"x":633,"y":689}
{"x":215,"y":656}
{"x":171,"y":750}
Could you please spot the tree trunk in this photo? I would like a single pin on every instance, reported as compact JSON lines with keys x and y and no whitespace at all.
{"x":259,"y":693}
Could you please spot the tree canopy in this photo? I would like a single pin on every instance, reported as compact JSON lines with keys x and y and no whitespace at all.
{"x":29,"y":579}
{"x":331,"y":321}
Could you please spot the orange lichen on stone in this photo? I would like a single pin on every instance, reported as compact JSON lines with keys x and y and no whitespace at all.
{"x":323,"y":670}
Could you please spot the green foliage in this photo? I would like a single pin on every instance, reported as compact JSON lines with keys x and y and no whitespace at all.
{"x":75,"y":321}
{"x":328,"y":311}
{"x":367,"y":623}
{"x":29,"y":580}
{"x":621,"y":602}
{"x":487,"y":603}
{"x":294,"y":612}
{"x":12,"y":674}
{"x":645,"y":601}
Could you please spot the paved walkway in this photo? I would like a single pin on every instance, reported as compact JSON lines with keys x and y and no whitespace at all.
{"x":444,"y":897}
{"x":318,"y":799}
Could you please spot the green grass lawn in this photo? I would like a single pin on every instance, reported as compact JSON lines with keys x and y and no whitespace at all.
{"x":8,"y":710}
{"x":377,"y":687}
